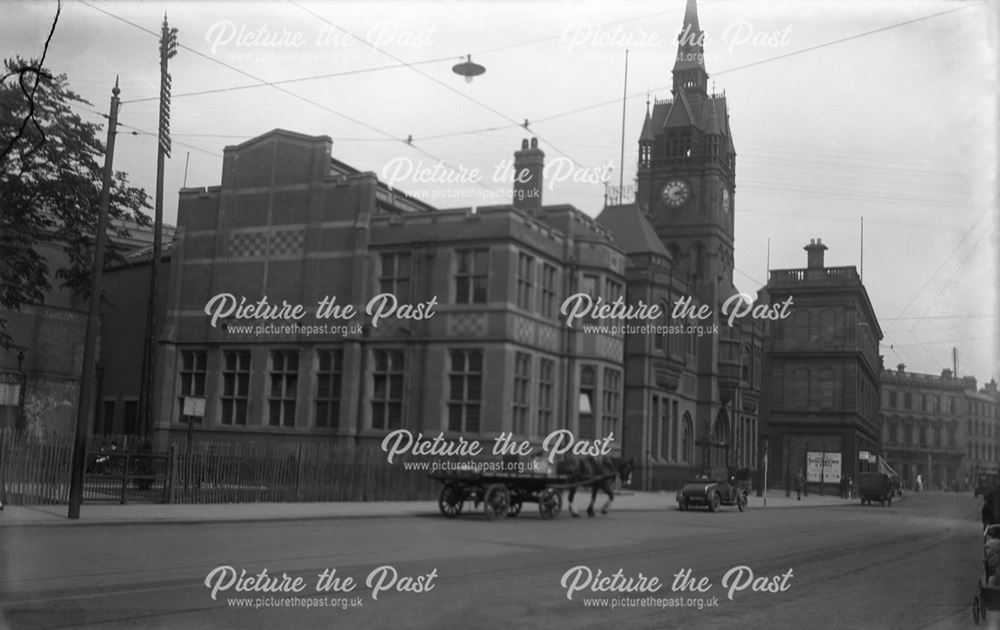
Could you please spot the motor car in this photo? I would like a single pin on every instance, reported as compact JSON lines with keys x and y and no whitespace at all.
{"x":712,"y":492}
{"x":876,"y":486}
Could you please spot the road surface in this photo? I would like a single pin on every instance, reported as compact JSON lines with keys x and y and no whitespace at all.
{"x":914,"y":565}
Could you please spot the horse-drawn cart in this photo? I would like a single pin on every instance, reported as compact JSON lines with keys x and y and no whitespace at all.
{"x":504,"y":493}
{"x":501,"y":495}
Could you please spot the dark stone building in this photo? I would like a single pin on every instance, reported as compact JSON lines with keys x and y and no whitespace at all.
{"x":822,"y":369}
{"x":679,"y":237}
{"x":921,"y":428}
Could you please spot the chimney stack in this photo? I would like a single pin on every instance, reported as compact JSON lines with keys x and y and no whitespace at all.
{"x":900,"y":369}
{"x":529,"y":163}
{"x":815,"y":250}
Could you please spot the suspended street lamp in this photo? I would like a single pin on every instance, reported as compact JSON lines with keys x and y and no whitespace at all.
{"x":468,"y":69}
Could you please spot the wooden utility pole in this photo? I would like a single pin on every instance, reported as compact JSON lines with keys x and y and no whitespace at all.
{"x":168,"y":48}
{"x":85,"y":403}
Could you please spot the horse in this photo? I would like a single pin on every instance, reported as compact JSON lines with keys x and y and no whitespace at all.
{"x":599,"y":473}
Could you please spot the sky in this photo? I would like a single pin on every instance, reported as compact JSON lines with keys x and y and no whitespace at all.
{"x":874,"y":113}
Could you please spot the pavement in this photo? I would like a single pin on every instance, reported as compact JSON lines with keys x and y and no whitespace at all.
{"x":114,"y":514}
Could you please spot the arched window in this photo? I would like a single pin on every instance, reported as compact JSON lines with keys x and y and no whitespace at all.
{"x":587,"y":385}
{"x":826,"y":386}
{"x":745,"y":371}
{"x":800,"y":325}
{"x":827,"y":324}
{"x":687,"y":439}
{"x":664,"y":428}
{"x":798,"y":394}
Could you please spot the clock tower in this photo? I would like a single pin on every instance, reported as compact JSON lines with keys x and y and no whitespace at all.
{"x":687,"y":170}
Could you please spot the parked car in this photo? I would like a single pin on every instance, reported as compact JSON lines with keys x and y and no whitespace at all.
{"x":876,"y":486}
{"x":712,"y":493}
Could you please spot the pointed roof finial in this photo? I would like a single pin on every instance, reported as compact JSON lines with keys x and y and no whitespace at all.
{"x":115,"y":91}
{"x":690,"y":41}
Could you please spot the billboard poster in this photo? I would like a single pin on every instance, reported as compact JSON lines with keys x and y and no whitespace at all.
{"x":822,"y":467}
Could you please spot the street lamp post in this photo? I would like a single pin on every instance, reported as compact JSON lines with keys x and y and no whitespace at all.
{"x":822,"y":472}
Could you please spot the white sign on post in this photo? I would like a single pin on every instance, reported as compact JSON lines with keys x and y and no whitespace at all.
{"x":822,"y":467}
{"x":10,"y":394}
{"x":194,"y":406}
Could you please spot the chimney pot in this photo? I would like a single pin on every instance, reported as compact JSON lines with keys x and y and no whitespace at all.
{"x":529,"y":165}
{"x":814,"y":253}
{"x":900,"y":368}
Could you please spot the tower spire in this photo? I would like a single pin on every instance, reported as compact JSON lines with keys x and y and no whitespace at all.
{"x":689,"y":66}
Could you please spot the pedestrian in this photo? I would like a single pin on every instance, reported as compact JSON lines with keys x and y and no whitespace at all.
{"x":800,"y":484}
{"x":920,"y":483}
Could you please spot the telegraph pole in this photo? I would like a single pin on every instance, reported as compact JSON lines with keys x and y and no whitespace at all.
{"x":168,"y":48}
{"x":85,"y":403}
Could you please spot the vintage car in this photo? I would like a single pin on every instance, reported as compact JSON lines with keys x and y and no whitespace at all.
{"x":711,"y":492}
{"x":876,"y":486}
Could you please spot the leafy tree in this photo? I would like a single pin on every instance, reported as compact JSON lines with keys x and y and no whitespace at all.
{"x":51,"y":168}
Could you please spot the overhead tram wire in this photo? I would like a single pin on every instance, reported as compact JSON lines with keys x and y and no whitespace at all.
{"x":729,"y":70}
{"x":317,"y":77}
{"x":402,"y":64}
{"x":490,"y":108}
{"x":958,"y":267}
{"x":272,"y":84}
{"x":945,"y":261}
{"x":140,"y":131}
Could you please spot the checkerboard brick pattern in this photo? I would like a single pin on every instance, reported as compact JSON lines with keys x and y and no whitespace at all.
{"x":466,"y":325}
{"x":265,"y":244}
{"x":610,"y":348}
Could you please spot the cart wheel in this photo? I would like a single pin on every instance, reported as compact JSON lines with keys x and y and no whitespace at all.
{"x":549,"y":503}
{"x":741,"y":502}
{"x":713,"y":502}
{"x":496,"y":501}
{"x":515,"y":506}
{"x":976,"y":615}
{"x":450,"y":501}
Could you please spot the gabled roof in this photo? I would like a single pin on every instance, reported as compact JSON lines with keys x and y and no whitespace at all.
{"x":680,"y":113}
{"x":632,"y":231}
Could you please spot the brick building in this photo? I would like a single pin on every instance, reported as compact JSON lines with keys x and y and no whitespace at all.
{"x":291,"y":223}
{"x":822,"y":368}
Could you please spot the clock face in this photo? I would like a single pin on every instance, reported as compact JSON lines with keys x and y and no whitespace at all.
{"x":676,"y":193}
{"x":727,"y":200}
